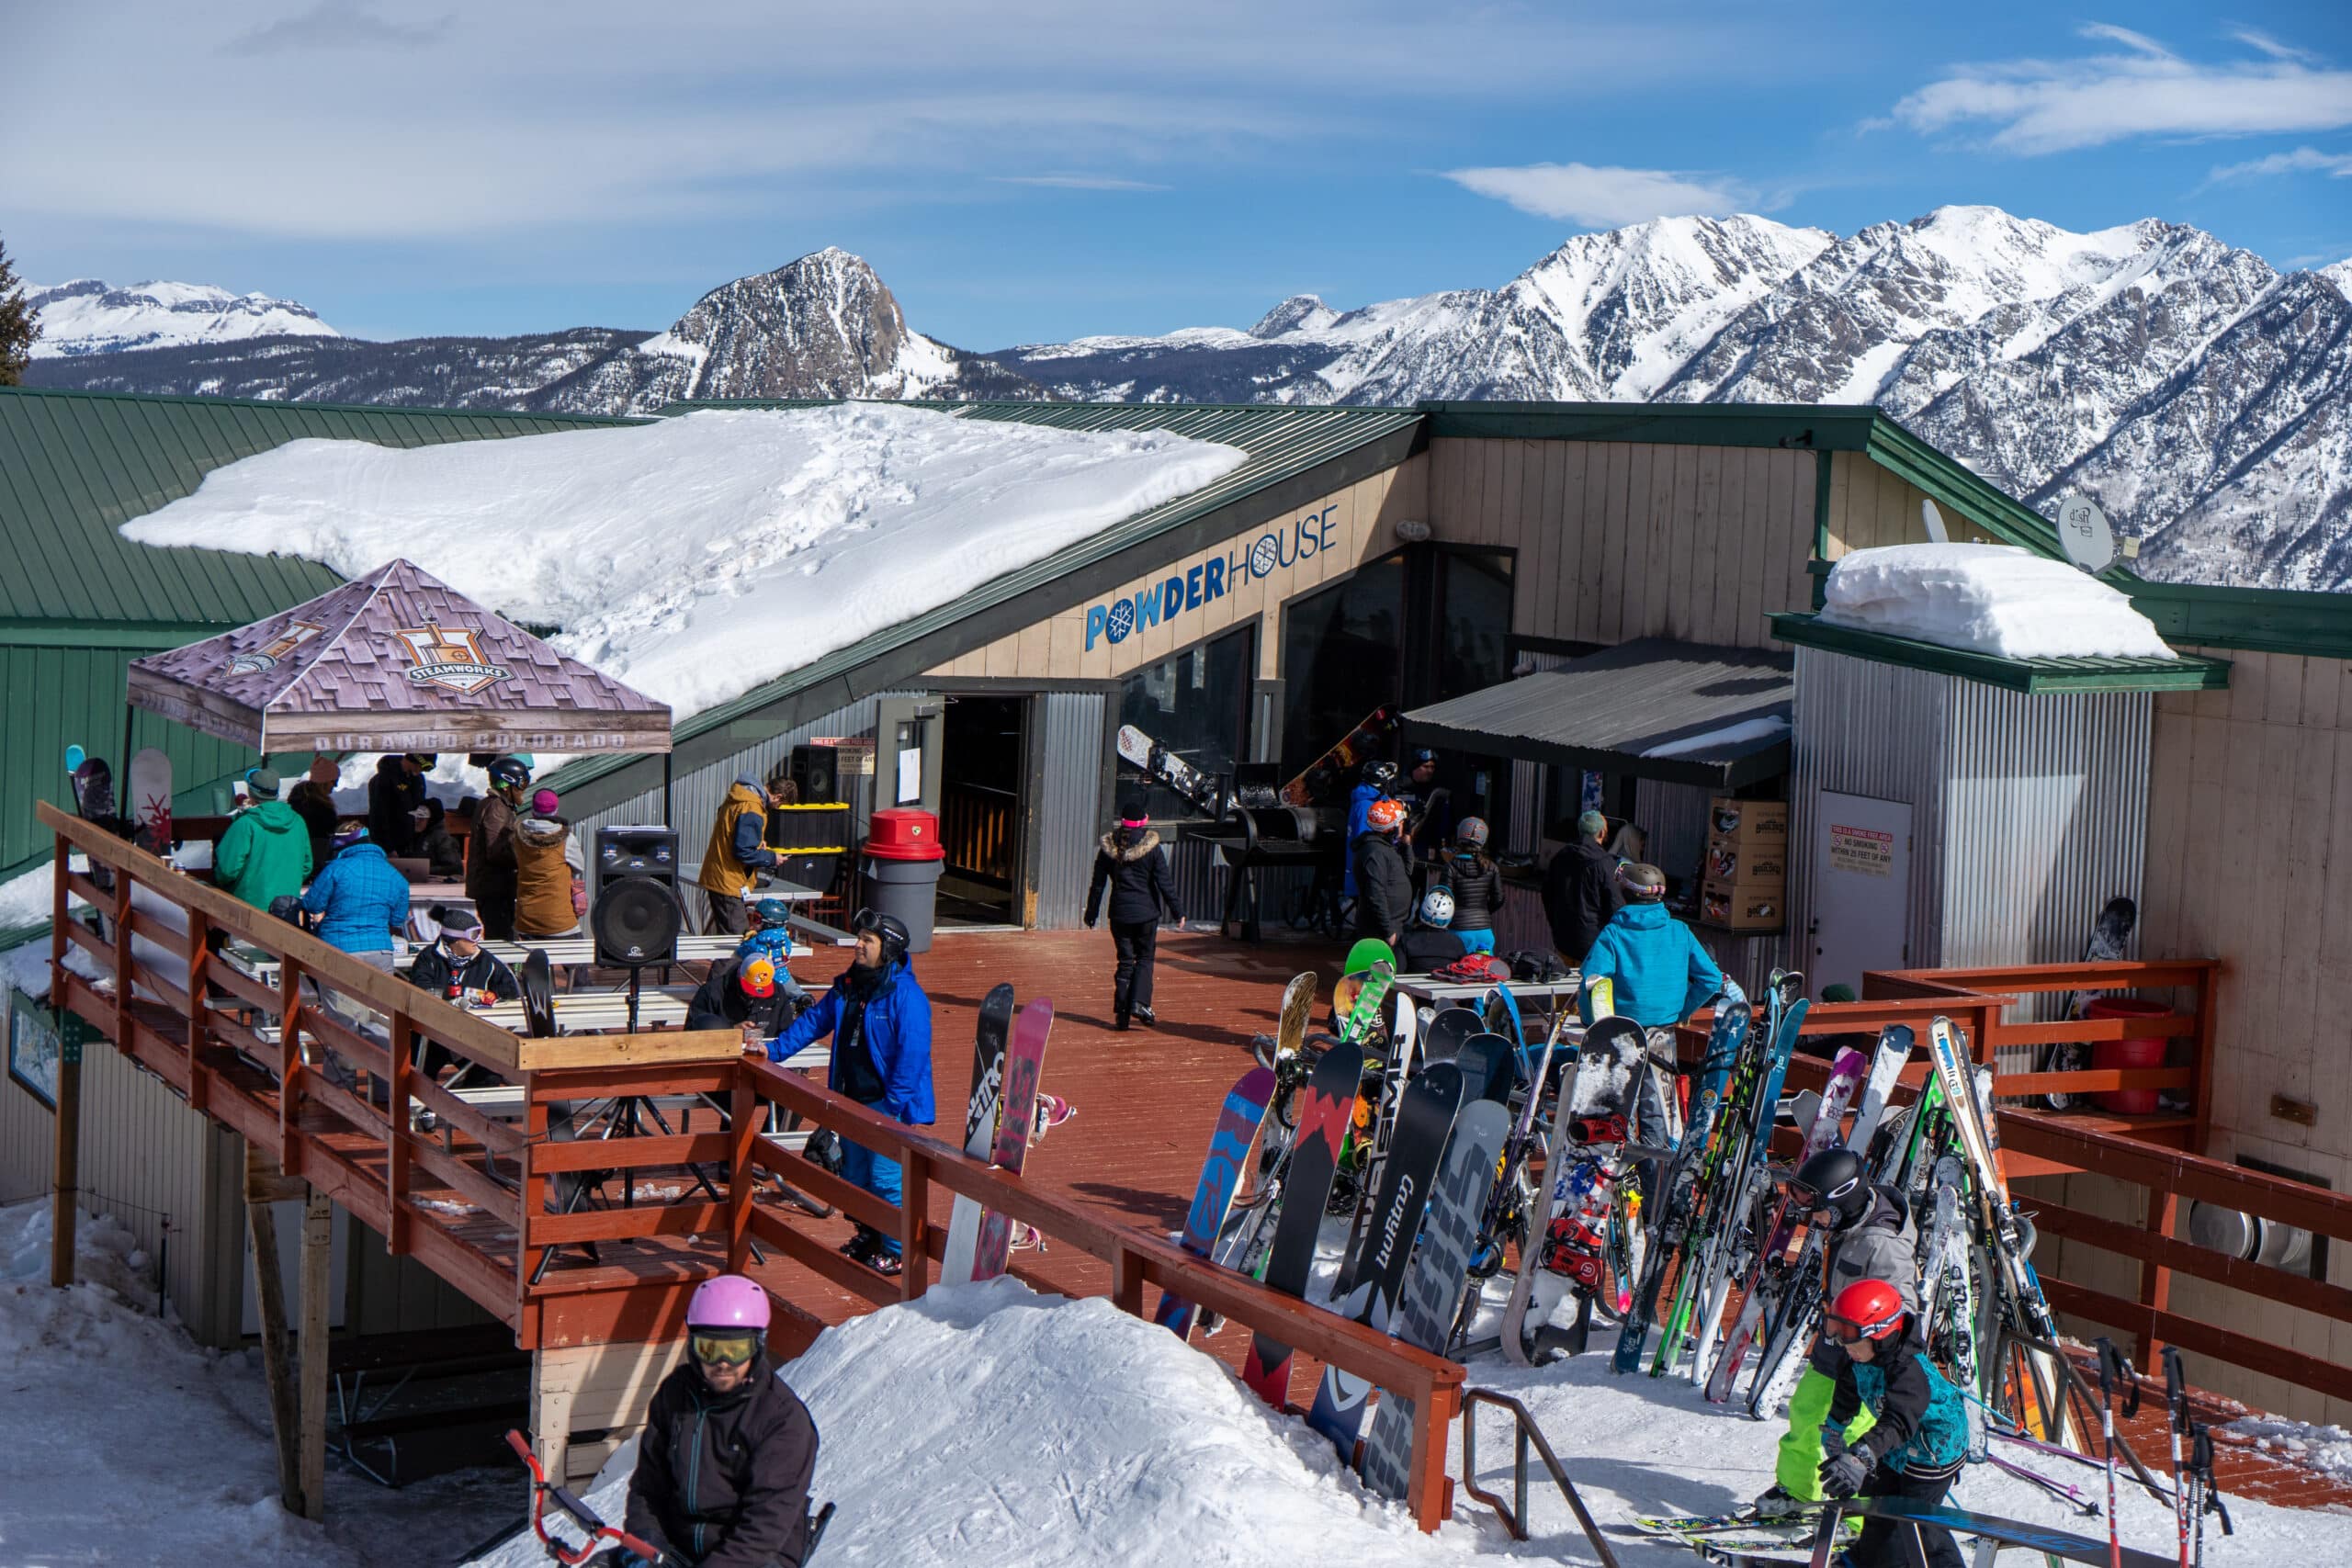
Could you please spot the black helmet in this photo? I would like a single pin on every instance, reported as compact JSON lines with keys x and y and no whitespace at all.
{"x":1419,"y":755}
{"x":1380,"y":773}
{"x":1835,"y":1179}
{"x":509,"y":772}
{"x":889,"y":928}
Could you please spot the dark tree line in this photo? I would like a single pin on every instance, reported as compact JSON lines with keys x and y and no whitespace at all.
{"x":20,"y":324}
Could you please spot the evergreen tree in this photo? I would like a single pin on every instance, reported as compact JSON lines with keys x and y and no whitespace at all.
{"x":20,"y":325}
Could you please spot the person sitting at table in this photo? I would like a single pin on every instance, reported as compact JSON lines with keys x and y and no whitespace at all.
{"x":360,"y":899}
{"x":455,"y":963}
{"x":550,"y":897}
{"x":442,"y":852}
{"x":752,"y":993}
{"x":265,"y":853}
{"x":1431,"y":946}
{"x":880,"y":1022}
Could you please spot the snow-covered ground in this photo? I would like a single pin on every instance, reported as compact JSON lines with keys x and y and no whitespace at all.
{"x":697,"y":557}
{"x":86,"y":316}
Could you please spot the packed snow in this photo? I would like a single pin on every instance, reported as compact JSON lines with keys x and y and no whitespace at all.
{"x":1770,"y":727}
{"x":698,"y":557}
{"x":1988,"y":599}
{"x":2324,"y":1449}
{"x":86,"y":316}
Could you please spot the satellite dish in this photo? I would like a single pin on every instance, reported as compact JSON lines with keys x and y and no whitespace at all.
{"x":2084,"y":534}
{"x":1934,"y":520}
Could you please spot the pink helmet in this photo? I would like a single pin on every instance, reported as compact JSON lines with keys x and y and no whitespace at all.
{"x":729,"y":1302}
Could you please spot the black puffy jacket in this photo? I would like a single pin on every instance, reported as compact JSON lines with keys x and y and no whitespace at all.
{"x":1580,"y":897}
{"x":1135,"y":872}
{"x":1383,"y":887}
{"x":393,"y":794}
{"x":1477,"y":886}
{"x":722,"y":1480}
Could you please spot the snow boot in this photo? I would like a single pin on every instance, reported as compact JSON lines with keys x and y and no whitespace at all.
{"x":1147,"y":1018}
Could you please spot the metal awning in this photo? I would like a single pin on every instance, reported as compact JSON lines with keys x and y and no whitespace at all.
{"x":1676,"y":712}
{"x":396,"y":661}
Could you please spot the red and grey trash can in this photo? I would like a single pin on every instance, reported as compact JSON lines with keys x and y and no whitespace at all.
{"x":899,"y":872}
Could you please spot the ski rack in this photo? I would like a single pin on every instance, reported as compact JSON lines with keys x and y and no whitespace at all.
{"x":1514,"y":1517}
{"x":2077,"y":1387}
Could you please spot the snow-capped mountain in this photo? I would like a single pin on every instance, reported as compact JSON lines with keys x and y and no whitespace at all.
{"x":2201,"y":395}
{"x":86,"y":316}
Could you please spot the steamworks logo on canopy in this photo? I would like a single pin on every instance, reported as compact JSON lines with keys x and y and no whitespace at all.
{"x":1163,"y":601}
{"x":444,"y":657}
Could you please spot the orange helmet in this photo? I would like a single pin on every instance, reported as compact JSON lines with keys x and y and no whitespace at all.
{"x":758,"y":978}
{"x":1385,"y":814}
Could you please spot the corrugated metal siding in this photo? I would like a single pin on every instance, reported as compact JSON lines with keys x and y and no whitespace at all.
{"x":1069,"y":804}
{"x":1674,"y":816}
{"x":75,"y":467}
{"x":1877,"y":730}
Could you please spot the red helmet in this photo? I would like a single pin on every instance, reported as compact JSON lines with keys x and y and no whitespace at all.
{"x":1383,"y":815}
{"x":1867,"y":1309}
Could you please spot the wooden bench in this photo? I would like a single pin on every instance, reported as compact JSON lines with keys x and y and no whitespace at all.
{"x":363,"y":1415}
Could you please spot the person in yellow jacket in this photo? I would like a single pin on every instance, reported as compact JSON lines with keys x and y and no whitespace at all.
{"x":738,"y":850}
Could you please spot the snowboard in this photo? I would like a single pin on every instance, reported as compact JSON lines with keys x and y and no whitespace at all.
{"x":1367,"y":952}
{"x":980,"y":1128}
{"x":1361,"y":1013}
{"x":2110,"y":934}
{"x":151,"y":801}
{"x":1434,"y":1282}
{"x":1448,"y":1028}
{"x":1485,"y":1063}
{"x":1596,"y":1104}
{"x":1324,"y":1110}
{"x":1237,"y":1128}
{"x":2014,"y":1533}
{"x":1205,"y":793}
{"x":94,"y":802}
{"x":1025,"y":1062}
{"x":1324,"y":782}
{"x":1371,"y":1278}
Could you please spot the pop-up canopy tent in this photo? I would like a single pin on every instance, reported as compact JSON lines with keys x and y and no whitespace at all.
{"x":396,"y":661}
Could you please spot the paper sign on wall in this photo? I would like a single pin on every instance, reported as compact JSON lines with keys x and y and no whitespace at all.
{"x":1863,"y":849}
{"x":910,"y":775}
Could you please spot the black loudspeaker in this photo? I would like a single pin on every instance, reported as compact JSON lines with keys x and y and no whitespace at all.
{"x":818,"y":771}
{"x":637,"y":917}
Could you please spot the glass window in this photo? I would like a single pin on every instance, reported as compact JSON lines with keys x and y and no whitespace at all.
{"x":1343,"y":652}
{"x":1196,"y":704}
{"x":1474,"y":621}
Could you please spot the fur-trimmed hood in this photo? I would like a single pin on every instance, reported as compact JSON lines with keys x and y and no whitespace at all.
{"x":1143,"y":845}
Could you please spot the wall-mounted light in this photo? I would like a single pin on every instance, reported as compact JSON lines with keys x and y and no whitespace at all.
{"x":1412,"y":530}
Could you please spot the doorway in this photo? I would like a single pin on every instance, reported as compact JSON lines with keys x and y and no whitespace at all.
{"x":1861,"y":885}
{"x":982,"y":797}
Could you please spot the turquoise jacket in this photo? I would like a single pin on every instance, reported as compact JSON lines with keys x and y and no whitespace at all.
{"x":1660,"y":974}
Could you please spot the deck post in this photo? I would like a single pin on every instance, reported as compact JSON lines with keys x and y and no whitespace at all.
{"x":914,"y":1225}
{"x":318,"y":1250}
{"x":1427,"y":1492}
{"x":2155,"y":1280}
{"x":745,"y":1114}
{"x":269,"y":1300}
{"x":1126,"y":1280}
{"x":66,"y":1164}
{"x":290,"y":1067}
{"x":396,"y":1240}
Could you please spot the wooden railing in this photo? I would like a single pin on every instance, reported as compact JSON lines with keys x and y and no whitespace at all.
{"x":976,"y":830}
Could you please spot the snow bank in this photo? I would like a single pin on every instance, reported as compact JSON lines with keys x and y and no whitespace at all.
{"x":2328,"y":1449}
{"x":988,"y":1424}
{"x":1988,"y":599}
{"x":697,"y":558}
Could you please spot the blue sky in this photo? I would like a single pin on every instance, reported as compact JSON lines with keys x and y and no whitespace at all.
{"x":1030,"y":170}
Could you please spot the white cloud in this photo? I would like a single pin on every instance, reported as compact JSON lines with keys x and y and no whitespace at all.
{"x":1074,"y":182}
{"x":336,"y":24}
{"x":2041,"y":105}
{"x":2301,"y":160}
{"x":1601,"y":198}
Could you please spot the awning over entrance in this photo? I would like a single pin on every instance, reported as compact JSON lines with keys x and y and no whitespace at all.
{"x":1676,"y":712}
{"x":396,"y":661}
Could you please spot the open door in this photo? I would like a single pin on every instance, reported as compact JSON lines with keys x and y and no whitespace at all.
{"x":1861,"y":889}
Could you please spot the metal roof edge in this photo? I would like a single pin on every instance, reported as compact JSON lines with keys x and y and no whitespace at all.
{"x":2190,"y":673}
{"x":1919,"y":463}
{"x":1796,"y":426}
{"x":283,"y":405}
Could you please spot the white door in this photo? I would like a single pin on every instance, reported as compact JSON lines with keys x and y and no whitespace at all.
{"x":1861,"y":889}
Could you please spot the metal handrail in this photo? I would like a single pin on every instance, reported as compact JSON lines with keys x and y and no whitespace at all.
{"x":1514,"y":1517}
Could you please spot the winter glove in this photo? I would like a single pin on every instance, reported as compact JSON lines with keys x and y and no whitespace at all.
{"x":1842,"y":1474}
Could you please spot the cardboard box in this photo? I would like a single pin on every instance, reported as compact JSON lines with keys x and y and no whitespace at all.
{"x":1742,"y":906}
{"x":1750,"y":824}
{"x":1762,"y":865}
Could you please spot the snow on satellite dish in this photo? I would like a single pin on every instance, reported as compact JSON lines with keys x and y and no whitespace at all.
{"x":1934,"y":520}
{"x":2084,"y":534}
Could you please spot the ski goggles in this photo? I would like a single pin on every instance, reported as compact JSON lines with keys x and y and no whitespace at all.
{"x":1846,"y":1331}
{"x":724,"y":1349}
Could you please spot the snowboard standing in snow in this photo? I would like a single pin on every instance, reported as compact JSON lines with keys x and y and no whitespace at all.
{"x":980,"y":1129}
{"x":151,"y":801}
{"x":1323,"y":1114}
{"x":1371,"y":1279}
{"x":1237,"y":1128}
{"x":1433,"y":1284}
{"x":1025,"y":1062}
{"x":1578,"y":1226}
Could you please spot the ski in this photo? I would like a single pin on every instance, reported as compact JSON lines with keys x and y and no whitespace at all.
{"x":1025,"y":1062}
{"x":1690,"y":1220}
{"x":1323,"y":1115}
{"x":1434,"y":1282}
{"x":2013,"y":1533}
{"x":980,"y":1129}
{"x":1576,"y":1225}
{"x":1237,"y":1128}
{"x":1895,"y":1044}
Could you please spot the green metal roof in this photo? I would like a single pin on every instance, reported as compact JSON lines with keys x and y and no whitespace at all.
{"x":1283,"y":443}
{"x":75,"y":467}
{"x":2186,"y":674}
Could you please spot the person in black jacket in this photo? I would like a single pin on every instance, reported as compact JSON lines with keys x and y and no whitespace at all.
{"x":1476,"y":882}
{"x":751,"y":992}
{"x":1383,"y":885}
{"x":724,"y":1464}
{"x":1581,"y":891}
{"x":455,"y":963}
{"x":1130,"y":863}
{"x":1430,"y":946}
{"x":396,"y":791}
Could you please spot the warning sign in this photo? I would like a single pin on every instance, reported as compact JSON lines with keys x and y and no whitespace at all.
{"x":1865,"y":849}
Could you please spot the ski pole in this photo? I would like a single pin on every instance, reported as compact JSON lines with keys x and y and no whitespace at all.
{"x":2107,"y":1358}
{"x":2209,"y":1492}
{"x":2176,"y":1412}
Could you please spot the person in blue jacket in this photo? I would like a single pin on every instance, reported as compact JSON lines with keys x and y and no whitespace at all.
{"x":1646,"y":965}
{"x":360,"y":899}
{"x":880,"y":1022}
{"x":1375,"y":782}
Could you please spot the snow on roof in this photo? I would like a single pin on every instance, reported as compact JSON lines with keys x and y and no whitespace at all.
{"x":1992,"y":599}
{"x":1728,"y":737}
{"x":698,"y":557}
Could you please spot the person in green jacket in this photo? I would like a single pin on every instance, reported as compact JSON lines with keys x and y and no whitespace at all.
{"x":265,"y":853}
